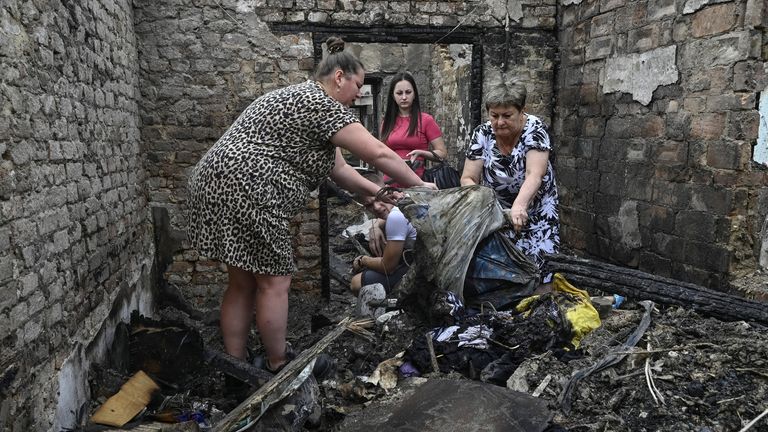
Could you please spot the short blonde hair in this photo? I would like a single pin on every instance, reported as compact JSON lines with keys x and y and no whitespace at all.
{"x":509,"y":94}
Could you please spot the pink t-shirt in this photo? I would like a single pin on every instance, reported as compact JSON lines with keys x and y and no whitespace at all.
{"x":402,"y":144}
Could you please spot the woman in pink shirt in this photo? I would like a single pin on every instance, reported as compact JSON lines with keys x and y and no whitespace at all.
{"x":408,"y":131}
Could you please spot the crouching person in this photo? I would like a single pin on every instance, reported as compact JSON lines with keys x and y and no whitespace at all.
{"x":392,"y":240}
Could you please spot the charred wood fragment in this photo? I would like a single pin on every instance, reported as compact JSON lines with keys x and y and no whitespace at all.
{"x":639,"y":285}
{"x":168,"y":351}
{"x":170,"y":295}
{"x":237,"y":368}
{"x":339,"y":270}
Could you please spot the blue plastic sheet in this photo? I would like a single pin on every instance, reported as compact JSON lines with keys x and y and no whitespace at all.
{"x":497,"y":265}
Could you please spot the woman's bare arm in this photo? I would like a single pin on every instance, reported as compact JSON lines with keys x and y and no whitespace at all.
{"x":348,"y":178}
{"x":387,"y":263}
{"x":472,"y":171}
{"x":535,"y":169}
{"x":356,"y":138}
{"x":437,"y":145}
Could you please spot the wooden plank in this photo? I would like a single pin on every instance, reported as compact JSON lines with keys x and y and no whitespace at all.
{"x":359,"y":247}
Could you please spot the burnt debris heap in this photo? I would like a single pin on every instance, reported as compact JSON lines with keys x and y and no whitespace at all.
{"x":654,"y":108}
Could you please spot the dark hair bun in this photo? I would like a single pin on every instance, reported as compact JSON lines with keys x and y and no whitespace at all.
{"x":335,"y":45}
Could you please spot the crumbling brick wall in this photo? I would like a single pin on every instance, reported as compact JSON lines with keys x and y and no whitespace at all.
{"x":202,"y":65}
{"x":102,"y":99}
{"x":656,"y":118}
{"x":103,"y":119}
{"x":75,"y":238}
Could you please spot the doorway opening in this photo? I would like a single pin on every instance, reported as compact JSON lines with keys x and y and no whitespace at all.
{"x":435,"y":49}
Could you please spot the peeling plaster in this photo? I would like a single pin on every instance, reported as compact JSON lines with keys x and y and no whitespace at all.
{"x":760,"y":154}
{"x":626,"y":226}
{"x":692,"y":6}
{"x":73,"y":391}
{"x":245,"y":6}
{"x":497,"y":8}
{"x":459,"y":55}
{"x":515,"y":10}
{"x":764,"y":246}
{"x":640,"y":74}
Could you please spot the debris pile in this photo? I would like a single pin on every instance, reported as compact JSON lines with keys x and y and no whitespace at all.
{"x":649,"y":366}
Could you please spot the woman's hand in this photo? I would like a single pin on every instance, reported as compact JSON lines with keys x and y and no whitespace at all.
{"x":416,"y":154}
{"x":389,"y":195}
{"x":536,"y":162}
{"x":356,"y":138}
{"x":357,"y":264}
{"x":429,"y":185}
{"x":377,"y":241}
{"x":517,"y":216}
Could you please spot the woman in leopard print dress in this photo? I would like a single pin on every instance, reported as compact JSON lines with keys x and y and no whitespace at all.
{"x":258,"y":176}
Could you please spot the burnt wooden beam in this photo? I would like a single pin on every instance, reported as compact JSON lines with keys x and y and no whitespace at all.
{"x":635,"y":284}
{"x":396,"y":34}
{"x":237,"y":368}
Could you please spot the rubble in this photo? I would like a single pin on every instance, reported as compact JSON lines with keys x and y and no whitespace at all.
{"x":651,"y":367}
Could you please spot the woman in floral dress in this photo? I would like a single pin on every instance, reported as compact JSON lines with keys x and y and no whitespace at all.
{"x":510,"y":154}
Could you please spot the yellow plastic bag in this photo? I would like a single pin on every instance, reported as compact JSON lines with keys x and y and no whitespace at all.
{"x":573,"y":303}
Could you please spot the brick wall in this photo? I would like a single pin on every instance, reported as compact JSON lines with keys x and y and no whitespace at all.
{"x":75,"y":238}
{"x":656,"y":117}
{"x":202,"y":65}
{"x":448,"y":13}
{"x":103,"y":100}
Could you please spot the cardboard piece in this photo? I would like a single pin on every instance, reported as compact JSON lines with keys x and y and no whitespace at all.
{"x":133,"y":396}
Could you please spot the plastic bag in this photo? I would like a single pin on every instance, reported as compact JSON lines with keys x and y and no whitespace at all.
{"x":450,"y":224}
{"x":573,"y":304}
{"x":499,"y":273}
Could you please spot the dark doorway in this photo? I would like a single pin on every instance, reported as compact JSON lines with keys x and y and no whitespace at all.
{"x":401,"y":35}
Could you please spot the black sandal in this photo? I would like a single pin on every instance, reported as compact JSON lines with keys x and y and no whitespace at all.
{"x":268,"y":368}
{"x":263,"y":362}
{"x":324,"y":364}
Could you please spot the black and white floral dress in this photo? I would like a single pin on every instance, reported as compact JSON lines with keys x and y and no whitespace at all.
{"x":258,"y":176}
{"x":505,"y":175}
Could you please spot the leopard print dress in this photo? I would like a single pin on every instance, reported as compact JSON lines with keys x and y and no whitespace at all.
{"x":258,"y":175}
